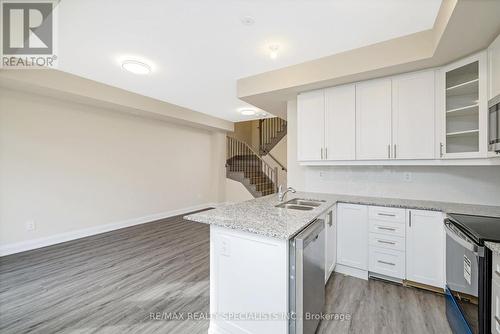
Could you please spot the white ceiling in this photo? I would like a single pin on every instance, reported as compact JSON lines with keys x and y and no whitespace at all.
{"x":199,"y":48}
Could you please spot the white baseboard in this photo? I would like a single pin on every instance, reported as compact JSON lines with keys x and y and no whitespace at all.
{"x":350,"y":271}
{"x":23,"y":246}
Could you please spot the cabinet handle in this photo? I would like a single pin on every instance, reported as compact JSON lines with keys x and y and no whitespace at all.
{"x":441,"y":145}
{"x":386,"y":214}
{"x":322,"y":153}
{"x":409,"y":219}
{"x":497,"y":320}
{"x":386,"y":242}
{"x":497,"y":273}
{"x":326,"y":153}
{"x":395,"y":155}
{"x":386,"y":228}
{"x":389,"y":151}
{"x":389,"y":263}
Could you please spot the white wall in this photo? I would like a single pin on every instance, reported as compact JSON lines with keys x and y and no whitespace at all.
{"x":236,"y":192}
{"x":476,"y":185}
{"x":71,"y":167}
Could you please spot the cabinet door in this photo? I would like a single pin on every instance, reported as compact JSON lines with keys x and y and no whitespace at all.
{"x":413,"y":116}
{"x":425,"y":247}
{"x":340,"y":123}
{"x":463,"y":108}
{"x":373,"y":120}
{"x":352,"y":237}
{"x":494,"y":68}
{"x":310,"y":125}
{"x":331,"y":245}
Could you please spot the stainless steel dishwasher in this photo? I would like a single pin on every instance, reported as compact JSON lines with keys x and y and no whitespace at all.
{"x":307,"y":278}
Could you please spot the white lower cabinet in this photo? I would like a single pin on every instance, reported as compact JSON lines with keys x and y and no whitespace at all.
{"x":393,"y":242}
{"x":331,"y":244}
{"x":425,"y":247}
{"x":495,"y":308}
{"x":352,"y":238}
{"x":387,"y":242}
{"x":495,"y":295}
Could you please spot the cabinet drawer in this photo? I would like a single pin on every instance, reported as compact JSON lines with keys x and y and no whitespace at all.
{"x":495,"y":273}
{"x":387,"y":214}
{"x":385,"y":227}
{"x":387,"y":241}
{"x":387,"y":262}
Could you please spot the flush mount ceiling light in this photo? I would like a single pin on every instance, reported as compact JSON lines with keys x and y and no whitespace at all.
{"x":273,"y":51}
{"x":136,"y":67}
{"x":247,"y":111}
{"x":247,"y":20}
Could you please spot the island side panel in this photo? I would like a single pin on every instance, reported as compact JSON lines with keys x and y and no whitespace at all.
{"x":248,"y":276}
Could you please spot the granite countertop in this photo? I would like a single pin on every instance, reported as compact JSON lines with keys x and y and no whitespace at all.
{"x":494,"y":246}
{"x":260,"y":215}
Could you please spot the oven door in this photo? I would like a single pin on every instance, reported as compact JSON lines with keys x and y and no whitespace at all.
{"x":462,"y":280}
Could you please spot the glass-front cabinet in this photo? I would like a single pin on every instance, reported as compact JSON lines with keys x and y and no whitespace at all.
{"x":464,"y":108}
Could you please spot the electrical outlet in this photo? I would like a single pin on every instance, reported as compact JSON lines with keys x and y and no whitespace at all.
{"x":407,"y":177}
{"x":30,"y":225}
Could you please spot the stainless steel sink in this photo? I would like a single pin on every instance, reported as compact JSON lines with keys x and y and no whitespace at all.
{"x":294,"y":207}
{"x":307,"y":202}
{"x":300,"y":204}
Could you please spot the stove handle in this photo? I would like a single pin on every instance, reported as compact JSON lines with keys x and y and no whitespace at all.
{"x":463,"y":241}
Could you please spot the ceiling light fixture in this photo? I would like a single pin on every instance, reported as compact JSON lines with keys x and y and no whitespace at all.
{"x":247,"y":20}
{"x":247,"y":111}
{"x":273,"y":51}
{"x":136,"y":67}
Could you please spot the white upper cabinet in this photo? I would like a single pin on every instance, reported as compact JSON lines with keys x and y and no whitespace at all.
{"x":373,"y":120}
{"x":424,"y":115}
{"x":463,"y":108}
{"x":413,"y":116}
{"x":311,"y":125}
{"x":425,"y":247}
{"x":494,"y":68}
{"x":340,"y":123}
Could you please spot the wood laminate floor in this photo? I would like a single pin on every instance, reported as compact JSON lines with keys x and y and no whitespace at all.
{"x":113,"y":282}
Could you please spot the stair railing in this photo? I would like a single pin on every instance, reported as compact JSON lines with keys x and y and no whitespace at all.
{"x":249,"y":160}
{"x":268,"y":130}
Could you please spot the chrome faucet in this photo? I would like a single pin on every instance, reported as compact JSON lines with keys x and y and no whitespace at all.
{"x":281,"y":194}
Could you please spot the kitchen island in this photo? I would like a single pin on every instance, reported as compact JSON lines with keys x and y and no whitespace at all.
{"x":249,"y":269}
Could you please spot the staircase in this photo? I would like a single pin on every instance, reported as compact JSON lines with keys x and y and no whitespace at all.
{"x":271,"y":131}
{"x":244,"y":164}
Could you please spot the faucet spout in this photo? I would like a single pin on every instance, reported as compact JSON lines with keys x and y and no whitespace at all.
{"x":282,"y":194}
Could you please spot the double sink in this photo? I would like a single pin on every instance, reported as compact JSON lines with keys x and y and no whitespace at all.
{"x":300,"y":204}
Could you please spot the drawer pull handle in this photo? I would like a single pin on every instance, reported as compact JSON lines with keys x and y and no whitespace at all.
{"x":386,"y":242}
{"x":386,"y":214}
{"x":389,"y":263}
{"x":386,"y":228}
